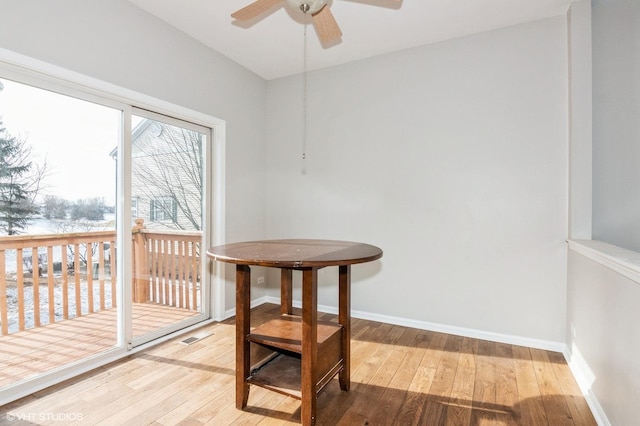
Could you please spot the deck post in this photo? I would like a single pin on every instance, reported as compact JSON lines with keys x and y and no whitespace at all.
{"x":140,"y":264}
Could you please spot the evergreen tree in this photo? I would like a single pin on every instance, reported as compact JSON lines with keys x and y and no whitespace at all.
{"x":17,"y":187}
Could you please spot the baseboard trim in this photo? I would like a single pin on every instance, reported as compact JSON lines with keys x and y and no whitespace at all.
{"x":254,"y":303}
{"x":585,"y":378}
{"x":441,"y":328}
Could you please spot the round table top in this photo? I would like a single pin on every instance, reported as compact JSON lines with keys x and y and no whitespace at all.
{"x":295,"y":253}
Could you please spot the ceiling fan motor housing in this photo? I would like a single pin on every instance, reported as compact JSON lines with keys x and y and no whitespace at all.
{"x":307,"y":6}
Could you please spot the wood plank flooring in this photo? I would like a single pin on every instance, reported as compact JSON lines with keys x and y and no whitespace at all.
{"x":400,"y":376}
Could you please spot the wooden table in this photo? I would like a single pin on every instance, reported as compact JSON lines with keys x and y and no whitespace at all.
{"x":293,"y":355}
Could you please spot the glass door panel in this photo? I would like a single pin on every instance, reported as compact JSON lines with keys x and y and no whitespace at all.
{"x":167,"y":187}
{"x":58,"y":267}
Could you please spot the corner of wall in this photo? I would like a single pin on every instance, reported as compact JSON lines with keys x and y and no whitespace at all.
{"x":580,"y":119}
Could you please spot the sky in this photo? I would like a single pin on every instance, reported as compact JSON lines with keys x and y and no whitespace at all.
{"x":74,"y":136}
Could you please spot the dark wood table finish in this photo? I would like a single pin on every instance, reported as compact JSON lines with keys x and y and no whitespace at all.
{"x":323,"y":347}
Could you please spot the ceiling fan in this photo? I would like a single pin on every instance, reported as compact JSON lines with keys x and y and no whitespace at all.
{"x":323,"y":20}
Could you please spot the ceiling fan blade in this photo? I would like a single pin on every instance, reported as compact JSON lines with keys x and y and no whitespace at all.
{"x":256,"y":8}
{"x":326,"y":25}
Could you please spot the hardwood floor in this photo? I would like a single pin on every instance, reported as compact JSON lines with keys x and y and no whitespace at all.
{"x":399,"y":376}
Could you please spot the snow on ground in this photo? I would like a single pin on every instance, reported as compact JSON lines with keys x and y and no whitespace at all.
{"x":12,"y":302}
{"x":41,"y":226}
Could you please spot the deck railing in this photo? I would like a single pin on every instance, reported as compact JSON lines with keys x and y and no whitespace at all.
{"x":55,"y":277}
{"x":166,"y":267}
{"x":49,"y":278}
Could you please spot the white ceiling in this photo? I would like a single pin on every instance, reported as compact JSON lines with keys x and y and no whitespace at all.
{"x":272,"y":45}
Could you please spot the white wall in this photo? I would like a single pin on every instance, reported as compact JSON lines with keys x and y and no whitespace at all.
{"x":450,"y":157}
{"x":616,"y":113}
{"x":118,"y":43}
{"x":604,"y":337}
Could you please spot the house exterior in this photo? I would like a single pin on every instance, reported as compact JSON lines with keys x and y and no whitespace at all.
{"x":166,"y":185}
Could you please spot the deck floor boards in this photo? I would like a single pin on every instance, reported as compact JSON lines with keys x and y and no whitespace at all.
{"x":26,"y":354}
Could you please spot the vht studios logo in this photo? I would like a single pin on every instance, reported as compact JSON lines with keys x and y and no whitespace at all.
{"x":51,"y":417}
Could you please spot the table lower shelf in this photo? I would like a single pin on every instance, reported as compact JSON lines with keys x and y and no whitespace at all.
{"x":282,"y":374}
{"x":276,"y":357}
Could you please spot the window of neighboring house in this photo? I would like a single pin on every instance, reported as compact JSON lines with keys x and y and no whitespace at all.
{"x":134,"y":208}
{"x":163,"y":208}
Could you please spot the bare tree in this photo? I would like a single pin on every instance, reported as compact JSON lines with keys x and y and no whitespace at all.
{"x":81,"y":226}
{"x":167,"y":174}
{"x":55,"y":207}
{"x":88,"y":208}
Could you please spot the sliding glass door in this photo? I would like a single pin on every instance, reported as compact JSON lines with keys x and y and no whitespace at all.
{"x":168,"y":182}
{"x":58,"y":271}
{"x":103,"y":227}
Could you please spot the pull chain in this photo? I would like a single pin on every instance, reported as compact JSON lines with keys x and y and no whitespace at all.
{"x":304,"y":92}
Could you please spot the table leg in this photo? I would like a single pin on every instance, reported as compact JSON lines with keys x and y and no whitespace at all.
{"x":309,"y":346}
{"x":243,"y":327}
{"x":344,"y":318}
{"x":286,"y":291}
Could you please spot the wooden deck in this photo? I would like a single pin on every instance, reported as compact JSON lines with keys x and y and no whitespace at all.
{"x":31,"y":352}
{"x":400,"y":376}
